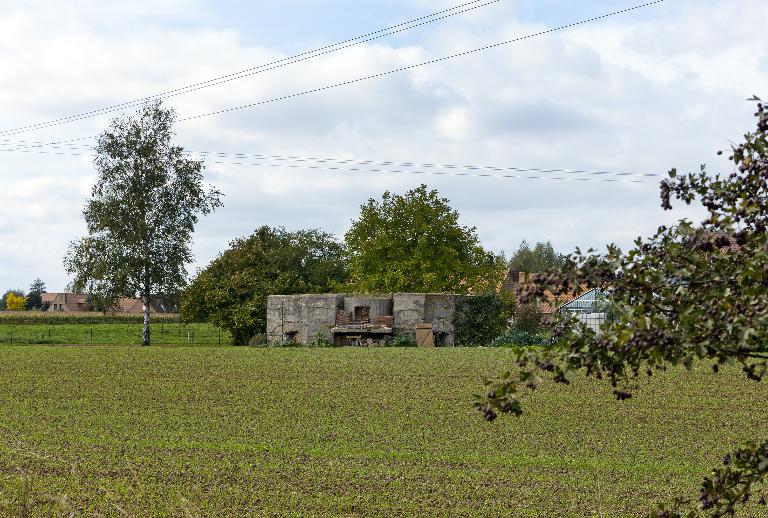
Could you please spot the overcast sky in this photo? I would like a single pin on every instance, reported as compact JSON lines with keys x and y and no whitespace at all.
{"x":660,"y":87}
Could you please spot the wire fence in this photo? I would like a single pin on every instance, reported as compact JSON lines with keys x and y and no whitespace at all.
{"x":162,"y":333}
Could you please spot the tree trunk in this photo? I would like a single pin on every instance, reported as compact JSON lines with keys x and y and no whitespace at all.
{"x":145,"y":334}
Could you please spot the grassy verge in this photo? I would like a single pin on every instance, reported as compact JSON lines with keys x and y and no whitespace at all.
{"x":373,"y":432}
{"x":163,"y":333}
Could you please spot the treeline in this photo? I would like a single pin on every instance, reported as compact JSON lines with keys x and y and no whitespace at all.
{"x":17,"y":300}
{"x":400,"y":243}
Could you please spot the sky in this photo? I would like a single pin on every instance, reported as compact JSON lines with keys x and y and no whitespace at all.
{"x":641,"y":92}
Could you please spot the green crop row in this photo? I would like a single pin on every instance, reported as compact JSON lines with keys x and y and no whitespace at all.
{"x":62,"y":318}
{"x":243,"y":431}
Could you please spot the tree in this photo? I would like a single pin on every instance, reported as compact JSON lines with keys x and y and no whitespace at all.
{"x":528,"y":318}
{"x":541,"y":258}
{"x":4,"y":299}
{"x":15,"y":302}
{"x":232,"y":291}
{"x":142,"y":212}
{"x":102,"y":302}
{"x":414,"y":243}
{"x":35,"y":296}
{"x":691,"y":292}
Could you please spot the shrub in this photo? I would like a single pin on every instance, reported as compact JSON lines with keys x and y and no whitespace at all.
{"x":516,"y":337}
{"x":402,"y":341}
{"x":320,"y":340}
{"x":527,"y":318}
{"x":480,"y":318}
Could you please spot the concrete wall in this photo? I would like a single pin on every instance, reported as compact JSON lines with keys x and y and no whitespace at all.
{"x":381,"y":305}
{"x":301,"y":316}
{"x":438,"y":309}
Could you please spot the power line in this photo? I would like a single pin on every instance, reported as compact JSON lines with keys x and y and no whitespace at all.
{"x":372,"y":166}
{"x":389,"y":72}
{"x":304,"y":56}
{"x":498,"y":169}
{"x":432,"y":172}
{"x":417,"y":65}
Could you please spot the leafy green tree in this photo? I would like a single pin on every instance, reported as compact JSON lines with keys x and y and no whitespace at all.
{"x":414,"y":243}
{"x":4,"y":299}
{"x":541,"y":258}
{"x":142,"y":212}
{"x":232,"y":291}
{"x":481,"y":318}
{"x":528,"y":318}
{"x":691,"y":292}
{"x":35,"y":296}
{"x":102,"y":302}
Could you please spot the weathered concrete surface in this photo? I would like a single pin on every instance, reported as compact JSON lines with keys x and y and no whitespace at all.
{"x":299,"y":317}
{"x":380,"y":305}
{"x":438,"y":309}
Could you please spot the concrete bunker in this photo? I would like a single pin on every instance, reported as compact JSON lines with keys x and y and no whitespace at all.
{"x":362,"y":320}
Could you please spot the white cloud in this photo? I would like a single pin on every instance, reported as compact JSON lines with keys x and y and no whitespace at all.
{"x":638,"y":94}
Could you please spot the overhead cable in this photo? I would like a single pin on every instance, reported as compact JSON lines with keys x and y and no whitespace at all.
{"x":272,"y":65}
{"x":417,"y":65}
{"x":340,"y":164}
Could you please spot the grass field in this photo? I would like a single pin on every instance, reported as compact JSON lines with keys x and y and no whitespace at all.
{"x":231,"y":431}
{"x":163,"y":333}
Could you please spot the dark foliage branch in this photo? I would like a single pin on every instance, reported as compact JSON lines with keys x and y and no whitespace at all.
{"x":688,"y":293}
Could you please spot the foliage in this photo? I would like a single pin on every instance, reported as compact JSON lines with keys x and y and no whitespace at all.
{"x":320,"y":340}
{"x":103,"y":302}
{"x":478,"y":319}
{"x":414,"y":243}
{"x":4,"y":299}
{"x":401,"y":341}
{"x":516,"y":337}
{"x":528,"y":318}
{"x":14,"y":302}
{"x":142,"y":212}
{"x":35,"y":296}
{"x":541,"y":258}
{"x":688,"y":293}
{"x":152,"y":430}
{"x":232,"y":291}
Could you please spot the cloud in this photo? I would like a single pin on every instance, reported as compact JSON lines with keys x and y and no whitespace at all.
{"x":641,"y":93}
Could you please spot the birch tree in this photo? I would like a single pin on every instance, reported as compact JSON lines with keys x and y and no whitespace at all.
{"x":142,"y":212}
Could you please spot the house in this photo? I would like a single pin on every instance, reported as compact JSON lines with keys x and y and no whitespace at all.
{"x":69,"y":302}
{"x":341,"y":319}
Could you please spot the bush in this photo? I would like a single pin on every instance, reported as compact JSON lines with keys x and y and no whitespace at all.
{"x":320,"y":340}
{"x":528,"y":319}
{"x":402,"y":341}
{"x":480,"y":318}
{"x":515,"y":337}
{"x":258,"y":340}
